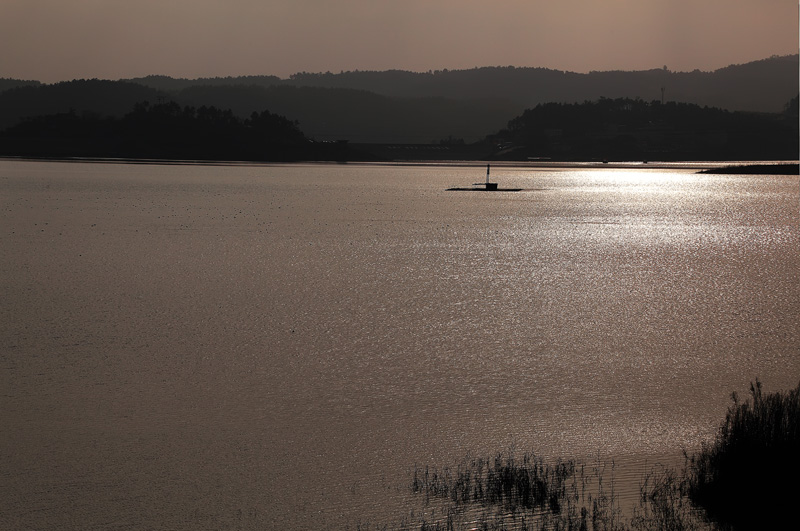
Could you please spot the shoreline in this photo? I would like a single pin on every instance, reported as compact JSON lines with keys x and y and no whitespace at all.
{"x":781,"y":167}
{"x":757,"y":169}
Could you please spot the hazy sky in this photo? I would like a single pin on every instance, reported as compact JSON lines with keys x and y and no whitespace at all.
{"x":55,"y":40}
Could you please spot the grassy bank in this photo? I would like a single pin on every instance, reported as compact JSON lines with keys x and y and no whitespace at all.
{"x":745,"y":479}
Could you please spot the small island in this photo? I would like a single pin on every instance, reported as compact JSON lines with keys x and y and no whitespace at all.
{"x":757,"y":169}
{"x":486,"y":186}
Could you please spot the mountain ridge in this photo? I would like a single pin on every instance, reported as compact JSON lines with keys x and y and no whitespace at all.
{"x":734,"y":87}
{"x":396,"y":106}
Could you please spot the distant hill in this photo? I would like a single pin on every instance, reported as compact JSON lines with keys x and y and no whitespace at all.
{"x":408,"y":107}
{"x":627,"y":129}
{"x":322,"y":113}
{"x":621,"y":129}
{"x":413,"y":107}
{"x":760,"y":86}
{"x":358,"y":115}
{"x":6,"y":83}
{"x":107,"y":98}
{"x":163,"y":131}
{"x":169,"y":84}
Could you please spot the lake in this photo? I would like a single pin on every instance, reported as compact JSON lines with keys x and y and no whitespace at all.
{"x":277,"y":346}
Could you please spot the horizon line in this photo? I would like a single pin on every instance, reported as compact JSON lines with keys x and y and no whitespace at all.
{"x":420,"y":72}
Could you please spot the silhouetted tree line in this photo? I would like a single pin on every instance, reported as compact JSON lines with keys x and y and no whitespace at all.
{"x":324,"y":114}
{"x":108,"y":98}
{"x":421,"y":107}
{"x":408,"y":107}
{"x":6,"y":83}
{"x":175,"y":85}
{"x":162,"y":130}
{"x":107,"y":118}
{"x":606,"y":129}
{"x":633,"y":129}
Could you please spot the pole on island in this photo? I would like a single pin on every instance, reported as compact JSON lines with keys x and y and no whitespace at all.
{"x":489,"y":186}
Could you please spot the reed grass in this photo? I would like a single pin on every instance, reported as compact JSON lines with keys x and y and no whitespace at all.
{"x":663,"y":504}
{"x":515,"y":484}
{"x":747,"y":478}
{"x":520,"y":493}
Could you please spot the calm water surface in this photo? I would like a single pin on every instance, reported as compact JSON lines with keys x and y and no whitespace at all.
{"x":232,"y":347}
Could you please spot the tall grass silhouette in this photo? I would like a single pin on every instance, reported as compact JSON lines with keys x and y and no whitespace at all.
{"x":503,"y":480}
{"x":521,"y":493}
{"x":748,"y":476}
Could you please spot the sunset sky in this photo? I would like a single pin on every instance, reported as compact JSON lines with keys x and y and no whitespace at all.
{"x":56,"y":40}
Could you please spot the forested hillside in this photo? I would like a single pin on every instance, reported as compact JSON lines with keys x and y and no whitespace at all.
{"x":107,"y":98}
{"x":453,"y":107}
{"x":6,"y":83}
{"x":323,"y":114}
{"x":761,"y":86}
{"x":619,"y":130}
{"x":163,"y":131}
{"x":627,"y":129}
{"x":361,"y":116}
